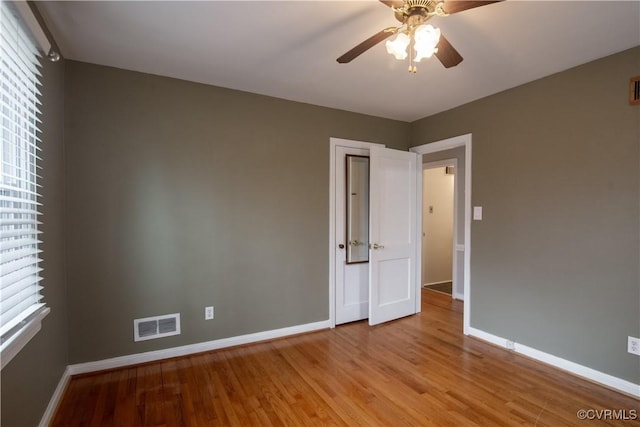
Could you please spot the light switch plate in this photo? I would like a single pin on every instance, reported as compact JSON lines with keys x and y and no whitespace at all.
{"x":477,"y":213}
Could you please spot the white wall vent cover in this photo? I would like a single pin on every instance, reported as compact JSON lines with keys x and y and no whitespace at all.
{"x":156,"y":327}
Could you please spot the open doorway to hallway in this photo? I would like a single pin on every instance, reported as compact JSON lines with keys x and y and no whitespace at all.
{"x":458,"y":148}
{"x":438,"y":218}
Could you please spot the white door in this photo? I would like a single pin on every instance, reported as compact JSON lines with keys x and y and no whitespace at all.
{"x":393,"y":222}
{"x":352,"y":280}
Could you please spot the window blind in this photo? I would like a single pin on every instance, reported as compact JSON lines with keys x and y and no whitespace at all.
{"x":20,"y":297}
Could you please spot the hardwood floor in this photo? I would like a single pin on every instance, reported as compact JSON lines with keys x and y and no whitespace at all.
{"x":416,"y":371}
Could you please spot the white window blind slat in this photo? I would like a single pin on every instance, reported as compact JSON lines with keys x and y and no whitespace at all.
{"x":14,"y":65}
{"x":19,"y":285}
{"x":19,"y":301}
{"x":28,"y":89}
{"x":19,"y":44}
{"x":12,"y":121}
{"x":17,"y":170}
{"x":12,"y":305}
{"x":27,"y":228}
{"x":19,"y":90}
{"x":16,"y":276}
{"x":17,"y":243}
{"x":17,"y":200}
{"x":18,"y":264}
{"x":21,"y":72}
{"x":19,"y":180}
{"x":20,"y":296}
{"x":17,"y":189}
{"x":16,"y":221}
{"x":17,"y":211}
{"x":16,"y":302}
{"x":9,"y":135}
{"x":16,"y":114}
{"x":19,"y":232}
{"x":19,"y":252}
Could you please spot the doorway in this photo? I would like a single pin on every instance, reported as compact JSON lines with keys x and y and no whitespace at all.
{"x":458,"y":147}
{"x":438,"y":226}
{"x":385,"y":280}
{"x":439,"y":150}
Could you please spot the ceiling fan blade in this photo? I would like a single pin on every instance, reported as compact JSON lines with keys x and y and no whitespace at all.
{"x":455,"y":6}
{"x":447,"y":54}
{"x":391,"y":3}
{"x":366,"y":45}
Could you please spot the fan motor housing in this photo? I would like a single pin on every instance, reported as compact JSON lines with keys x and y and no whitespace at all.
{"x":429,"y":5}
{"x":418,"y":10}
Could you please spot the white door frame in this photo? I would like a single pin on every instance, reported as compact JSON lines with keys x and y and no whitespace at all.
{"x":434,"y":147}
{"x":333,"y":143}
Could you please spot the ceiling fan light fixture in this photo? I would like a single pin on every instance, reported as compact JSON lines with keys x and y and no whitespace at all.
{"x":426,"y":39}
{"x":398,"y":47}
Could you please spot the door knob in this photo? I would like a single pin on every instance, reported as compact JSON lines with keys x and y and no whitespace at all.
{"x":377,"y":246}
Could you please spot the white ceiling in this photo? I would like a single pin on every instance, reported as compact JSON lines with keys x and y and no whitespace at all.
{"x":288,"y":49}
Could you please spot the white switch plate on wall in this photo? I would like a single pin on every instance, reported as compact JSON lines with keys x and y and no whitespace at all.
{"x":477,"y":213}
{"x":208,"y":313}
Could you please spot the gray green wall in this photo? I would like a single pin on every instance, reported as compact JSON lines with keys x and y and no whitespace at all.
{"x":556,"y":166}
{"x":28,"y":381}
{"x":182,"y":195}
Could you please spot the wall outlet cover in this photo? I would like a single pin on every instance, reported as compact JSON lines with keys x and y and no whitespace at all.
{"x":633,"y":345}
{"x":208,"y":313}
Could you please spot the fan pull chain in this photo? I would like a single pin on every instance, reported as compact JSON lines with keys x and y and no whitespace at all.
{"x":412,"y":67}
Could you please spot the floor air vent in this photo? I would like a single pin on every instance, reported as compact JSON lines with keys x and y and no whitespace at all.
{"x":634,"y":91}
{"x":156,"y":327}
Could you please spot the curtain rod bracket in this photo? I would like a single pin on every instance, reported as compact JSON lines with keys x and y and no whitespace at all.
{"x":53,"y":56}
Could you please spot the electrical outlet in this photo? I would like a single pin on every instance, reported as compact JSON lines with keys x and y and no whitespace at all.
{"x":208,"y":313}
{"x":633,"y":345}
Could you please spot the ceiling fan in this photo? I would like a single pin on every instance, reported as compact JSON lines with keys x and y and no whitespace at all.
{"x":427,"y":40}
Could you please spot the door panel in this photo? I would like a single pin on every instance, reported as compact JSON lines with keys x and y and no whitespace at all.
{"x":390,"y":273}
{"x":395,"y":200}
{"x":352,"y":280}
{"x":393,"y":216}
{"x":356,"y":276}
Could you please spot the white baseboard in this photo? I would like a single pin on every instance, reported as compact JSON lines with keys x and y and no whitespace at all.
{"x":47,"y":417}
{"x":458,"y":296}
{"x":152,"y":356}
{"x":566,"y":365}
{"x":437,"y":283}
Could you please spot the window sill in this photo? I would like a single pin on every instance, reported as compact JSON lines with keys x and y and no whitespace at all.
{"x":13,"y":345}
